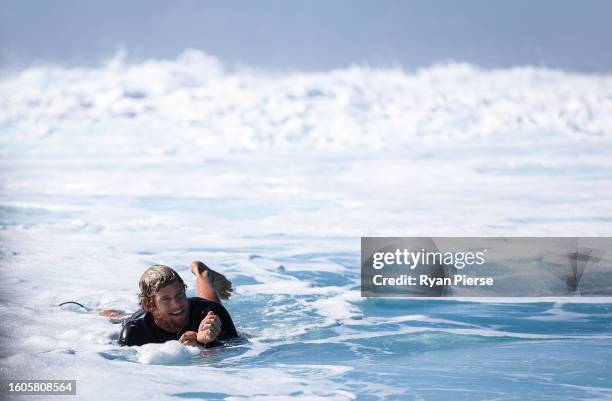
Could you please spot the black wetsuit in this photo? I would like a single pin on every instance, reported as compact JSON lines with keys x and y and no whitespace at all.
{"x":140,"y":328}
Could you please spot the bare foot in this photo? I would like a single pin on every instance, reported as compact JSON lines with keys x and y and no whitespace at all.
{"x":112,"y":313}
{"x":219,"y":282}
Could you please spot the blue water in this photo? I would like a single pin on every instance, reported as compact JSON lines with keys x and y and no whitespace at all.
{"x":567,"y":359}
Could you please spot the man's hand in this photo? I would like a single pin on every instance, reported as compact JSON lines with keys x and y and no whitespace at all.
{"x":209,"y":328}
{"x":189,"y":338}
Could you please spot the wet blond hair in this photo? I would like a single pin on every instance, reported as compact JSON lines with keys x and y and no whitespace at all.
{"x":154,"y":278}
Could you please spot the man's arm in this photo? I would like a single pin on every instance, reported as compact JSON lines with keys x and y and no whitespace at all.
{"x":228,"y":330}
{"x":132,"y":334}
{"x":217,"y":324}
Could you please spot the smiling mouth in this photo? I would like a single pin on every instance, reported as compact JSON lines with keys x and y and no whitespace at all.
{"x":177,"y":313}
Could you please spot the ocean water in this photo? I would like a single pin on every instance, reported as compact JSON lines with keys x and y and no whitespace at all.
{"x":272,"y":178}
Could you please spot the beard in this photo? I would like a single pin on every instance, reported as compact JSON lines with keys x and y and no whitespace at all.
{"x":171,"y":323}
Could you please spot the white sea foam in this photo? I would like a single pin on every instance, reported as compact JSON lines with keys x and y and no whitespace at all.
{"x":168,"y":353}
{"x":481,"y":332}
{"x":407,"y":318}
{"x":130,"y":108}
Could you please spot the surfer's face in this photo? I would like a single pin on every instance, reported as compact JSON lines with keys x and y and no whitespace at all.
{"x":171,"y":310}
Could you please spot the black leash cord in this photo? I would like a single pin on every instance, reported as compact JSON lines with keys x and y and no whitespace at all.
{"x":72,"y":302}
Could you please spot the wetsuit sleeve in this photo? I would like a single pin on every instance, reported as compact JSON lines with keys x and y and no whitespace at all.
{"x":228,"y":330}
{"x":132,"y":334}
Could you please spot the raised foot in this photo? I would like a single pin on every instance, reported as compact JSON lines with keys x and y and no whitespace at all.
{"x":219,"y":282}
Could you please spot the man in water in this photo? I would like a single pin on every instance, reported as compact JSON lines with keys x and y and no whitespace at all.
{"x":167,"y":314}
